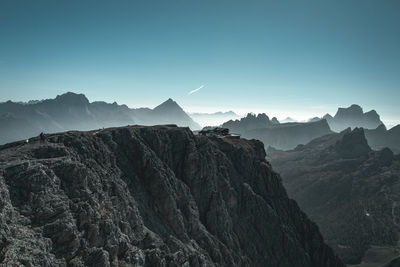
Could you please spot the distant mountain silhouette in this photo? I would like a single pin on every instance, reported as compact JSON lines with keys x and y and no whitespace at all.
{"x":250,"y":122}
{"x":314,"y":119}
{"x":213,"y":119}
{"x":72,"y":111}
{"x":165,"y":113}
{"x":350,"y":191}
{"x":282,"y":136}
{"x":288,"y":119}
{"x":353,"y":116}
{"x":381,"y":137}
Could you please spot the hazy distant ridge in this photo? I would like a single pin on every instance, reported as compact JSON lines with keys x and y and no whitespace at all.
{"x":72,"y":111}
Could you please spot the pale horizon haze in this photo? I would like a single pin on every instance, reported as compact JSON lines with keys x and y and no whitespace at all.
{"x":283,"y":58}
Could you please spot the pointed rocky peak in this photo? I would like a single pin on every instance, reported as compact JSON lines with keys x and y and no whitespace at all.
{"x":322,"y":123}
{"x":274,"y":120}
{"x":250,"y":115}
{"x":372,"y":115}
{"x":327,"y":116}
{"x":169,"y":105}
{"x":353,"y":144}
{"x":70,"y":98}
{"x":355,"y":107}
{"x":230,"y":112}
{"x":288,"y":119}
{"x":263,"y":116}
{"x":347,"y":130}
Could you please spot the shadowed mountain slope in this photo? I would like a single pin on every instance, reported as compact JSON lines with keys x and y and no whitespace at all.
{"x":149,"y":196}
{"x":350,"y":191}
{"x":381,"y":137}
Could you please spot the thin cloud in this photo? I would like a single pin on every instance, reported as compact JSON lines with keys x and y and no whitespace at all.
{"x":195,"y":90}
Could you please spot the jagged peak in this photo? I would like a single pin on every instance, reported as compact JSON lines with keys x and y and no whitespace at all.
{"x":372,"y":111}
{"x":353,"y":144}
{"x":274,"y":120}
{"x":168,"y":104}
{"x":353,"y":110}
{"x":263,"y":116}
{"x":71,"y":97}
{"x":347,"y":130}
{"x":355,"y":106}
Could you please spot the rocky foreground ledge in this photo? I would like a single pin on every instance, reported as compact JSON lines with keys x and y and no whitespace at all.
{"x":149,"y":196}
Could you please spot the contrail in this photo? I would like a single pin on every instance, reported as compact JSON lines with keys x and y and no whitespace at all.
{"x":195,"y":90}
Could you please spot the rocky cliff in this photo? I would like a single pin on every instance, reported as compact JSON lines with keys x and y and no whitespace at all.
{"x":350,"y":191}
{"x":149,"y":196}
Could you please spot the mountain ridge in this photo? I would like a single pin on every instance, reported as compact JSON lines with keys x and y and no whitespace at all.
{"x":71,"y":111}
{"x":349,"y":190}
{"x":149,"y":196}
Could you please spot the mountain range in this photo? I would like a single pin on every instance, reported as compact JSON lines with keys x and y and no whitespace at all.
{"x":275,"y":134}
{"x":72,"y":111}
{"x":149,"y":196}
{"x":213,"y":119}
{"x":349,"y":190}
{"x":353,"y":117}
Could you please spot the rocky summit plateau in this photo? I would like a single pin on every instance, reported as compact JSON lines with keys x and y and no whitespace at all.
{"x":149,"y":196}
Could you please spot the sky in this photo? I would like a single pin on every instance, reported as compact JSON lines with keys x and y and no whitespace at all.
{"x":285,"y":58}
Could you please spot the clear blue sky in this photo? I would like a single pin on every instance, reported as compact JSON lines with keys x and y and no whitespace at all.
{"x":298,"y":58}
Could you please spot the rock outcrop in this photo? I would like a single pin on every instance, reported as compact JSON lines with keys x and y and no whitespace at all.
{"x":149,"y":196}
{"x":350,"y":191}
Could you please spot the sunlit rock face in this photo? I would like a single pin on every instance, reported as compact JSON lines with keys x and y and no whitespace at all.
{"x":149,"y":196}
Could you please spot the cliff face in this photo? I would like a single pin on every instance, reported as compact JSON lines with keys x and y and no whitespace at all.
{"x":351,"y":192}
{"x":149,"y":196}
